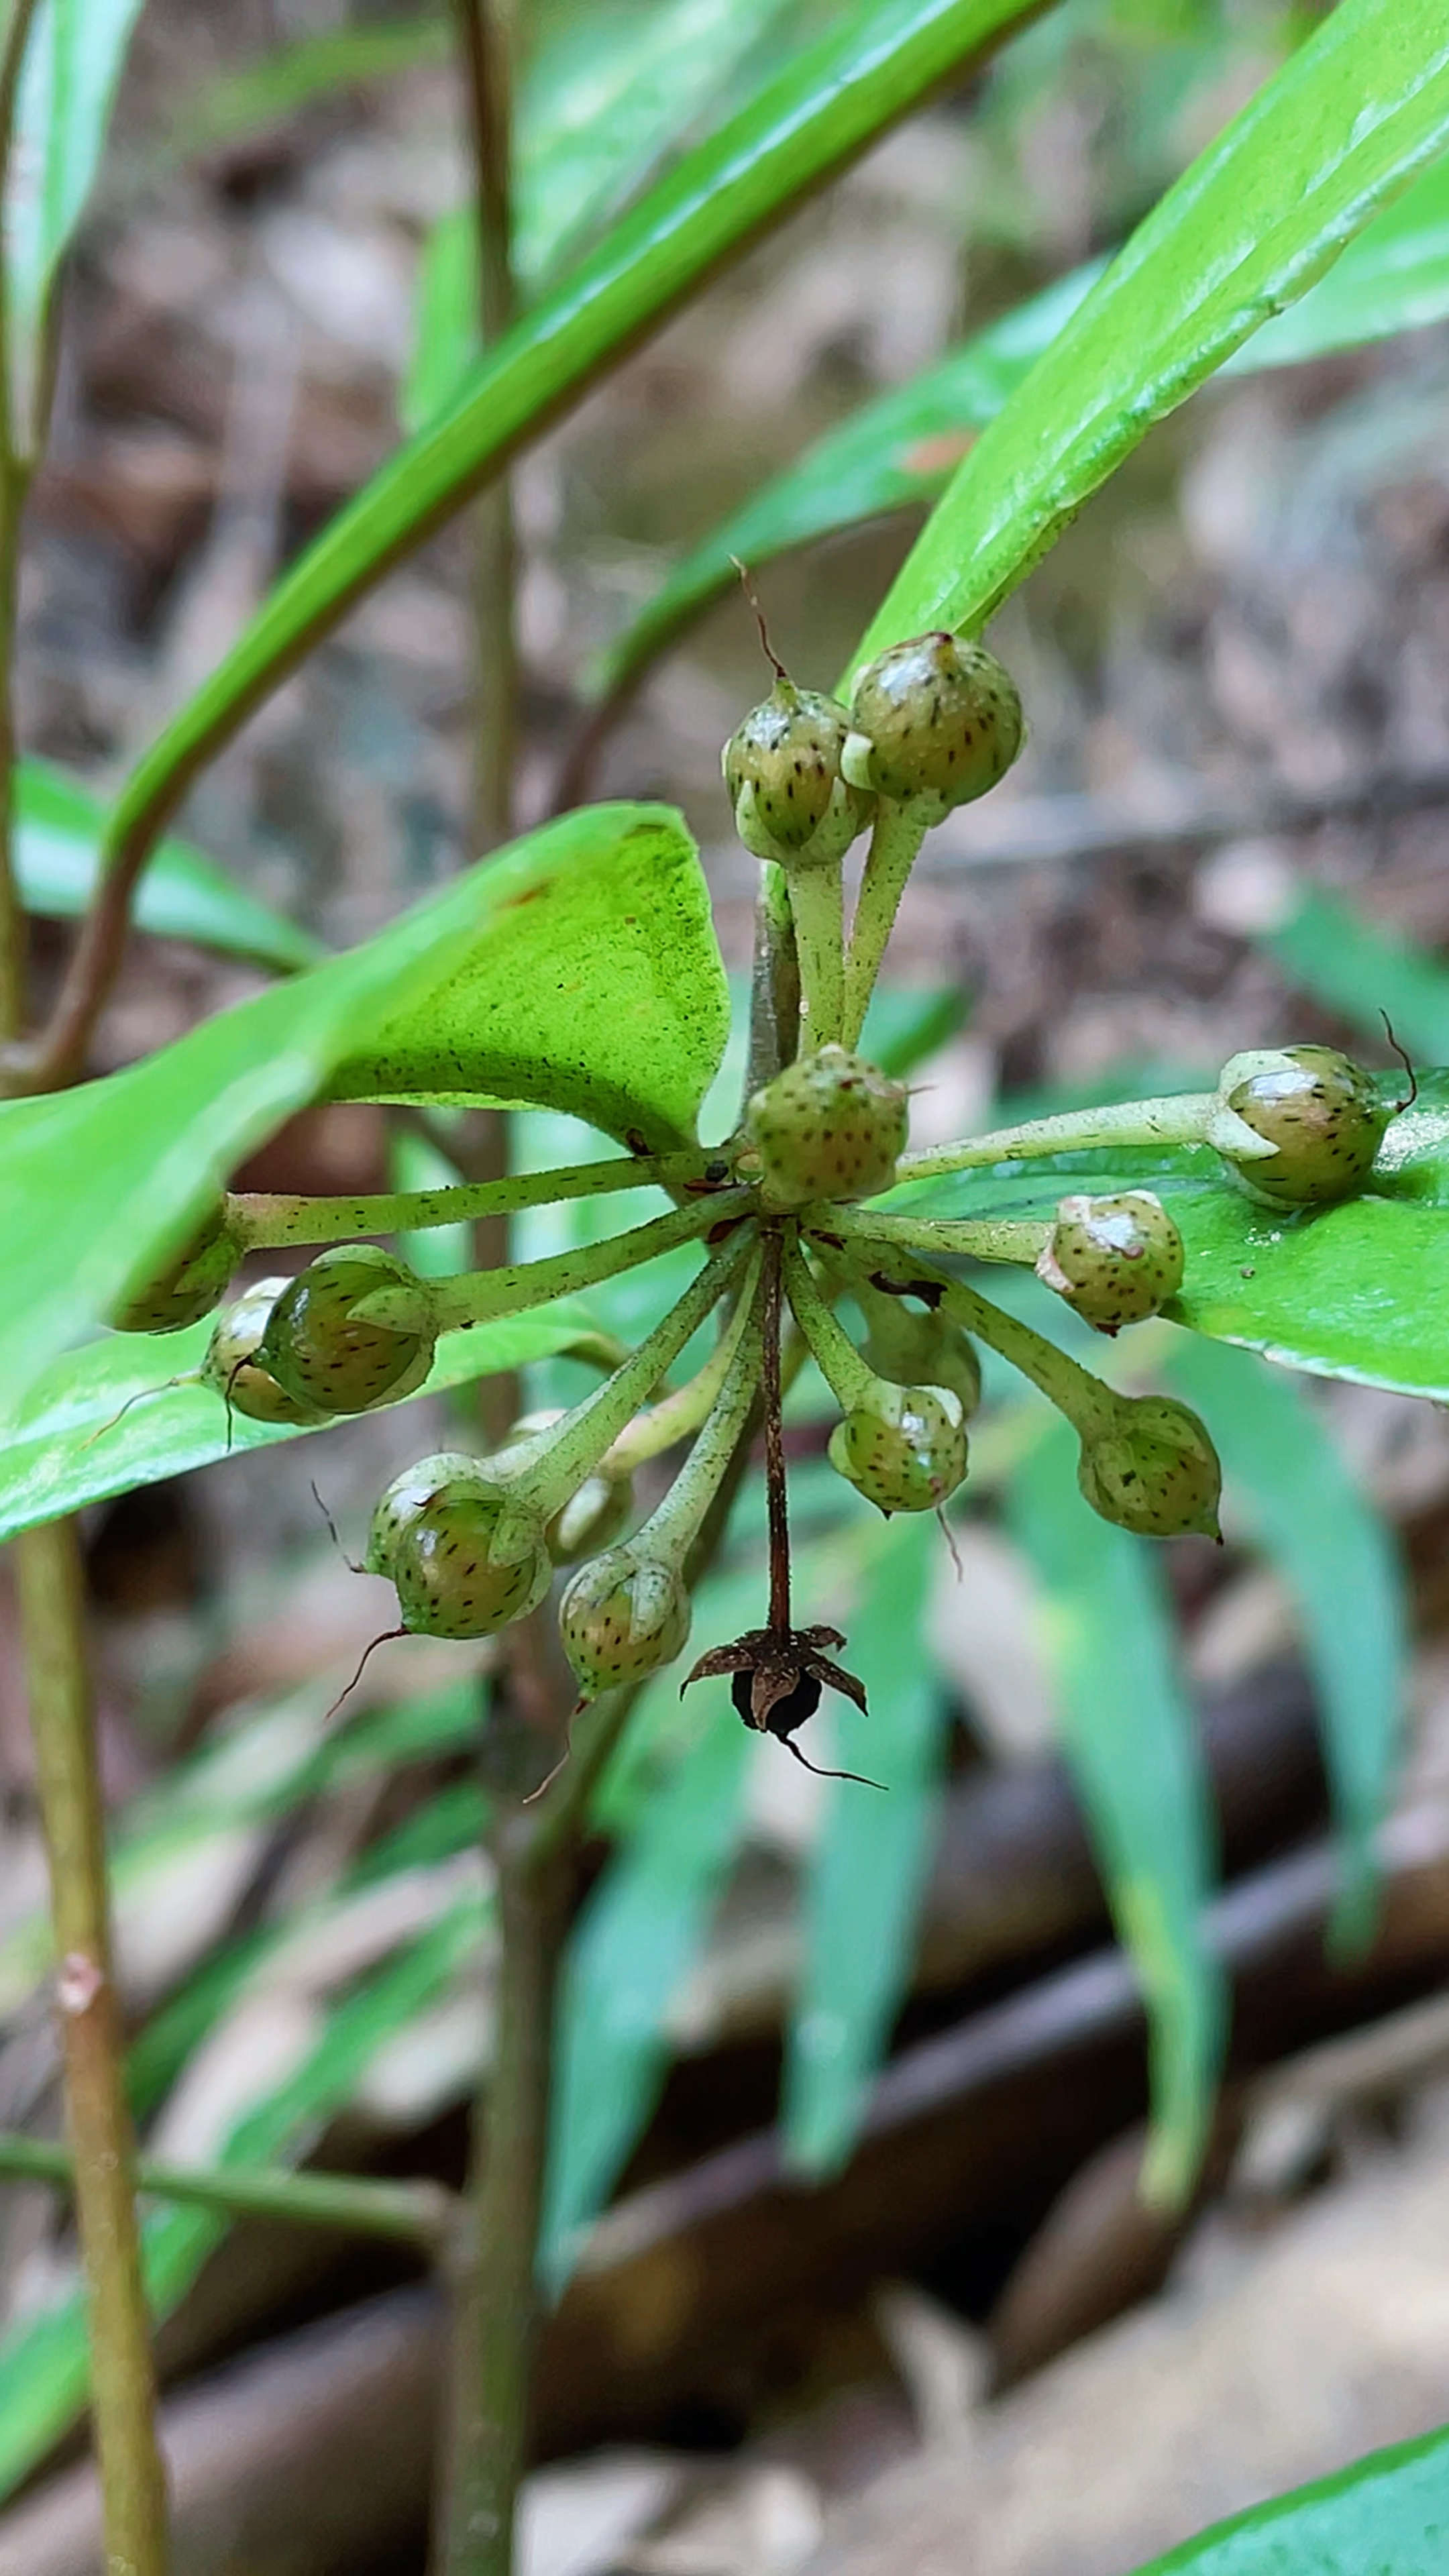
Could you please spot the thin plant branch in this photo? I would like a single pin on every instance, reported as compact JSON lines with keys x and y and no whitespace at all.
{"x":404,"y":2213}
{"x":123,"y":2384}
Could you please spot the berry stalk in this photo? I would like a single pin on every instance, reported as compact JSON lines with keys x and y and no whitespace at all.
{"x":817,"y":905}
{"x":896,"y":837}
{"x":1089,"y":1406}
{"x":1183,"y":1118}
{"x":677,"y":1415}
{"x":478,"y":1296}
{"x":1009,"y":1239}
{"x":265,"y":1220}
{"x":831,"y":1348}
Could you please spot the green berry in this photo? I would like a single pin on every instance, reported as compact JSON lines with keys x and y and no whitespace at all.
{"x":622,"y":1617}
{"x":188,"y":1287}
{"x":921,"y":1350}
{"x":1155,"y":1472}
{"x":782,"y":769}
{"x":935,"y":718}
{"x":323,"y":1353}
{"x":829,"y":1127}
{"x":465,"y":1559}
{"x":1117,"y":1260}
{"x":232,"y":1367}
{"x":1319,"y":1109}
{"x":904,"y":1448}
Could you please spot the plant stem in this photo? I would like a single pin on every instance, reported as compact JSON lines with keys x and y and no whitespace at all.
{"x":774,"y":986}
{"x":123,"y":2388}
{"x":261,"y":1220}
{"x":834,"y":1353}
{"x":987,"y":1238}
{"x":896,"y":836}
{"x":479,"y":1296}
{"x":483,"y":47}
{"x":816,"y":904}
{"x":776,"y":1504}
{"x":676,"y":1415}
{"x":498,"y":2305}
{"x":404,"y":2213}
{"x":1181,"y":1119}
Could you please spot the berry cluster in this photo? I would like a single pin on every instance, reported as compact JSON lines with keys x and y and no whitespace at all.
{"x":471,"y":1544}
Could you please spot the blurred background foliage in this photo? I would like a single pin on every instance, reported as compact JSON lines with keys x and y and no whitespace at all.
{"x":1229,"y":830}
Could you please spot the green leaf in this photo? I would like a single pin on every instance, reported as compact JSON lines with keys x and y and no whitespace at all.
{"x":65,"y":1446}
{"x":43,"y":2364}
{"x":1251,"y":226}
{"x":632,"y":1947}
{"x":73,"y":59}
{"x":600,"y":992}
{"x":59,"y":827}
{"x":900,"y":451}
{"x":1132,"y":1744}
{"x":599,"y":107}
{"x":99,"y":1185}
{"x":1360,"y":1290}
{"x":1329,"y":949}
{"x":817,"y":116}
{"x":868,"y":1866}
{"x":1386,"y":2516}
{"x":1312,"y":1521}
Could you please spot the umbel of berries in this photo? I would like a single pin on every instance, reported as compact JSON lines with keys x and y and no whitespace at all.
{"x":324,"y":1352}
{"x":1153,"y":1470}
{"x":934,"y":722}
{"x":622,"y":1617}
{"x":188,"y":1287}
{"x":231,"y":1365}
{"x":782,"y":769}
{"x":830,"y":1126}
{"x":1317,"y":1108}
{"x":903,"y":1447}
{"x":1117,"y":1260}
{"x":465,"y":1557}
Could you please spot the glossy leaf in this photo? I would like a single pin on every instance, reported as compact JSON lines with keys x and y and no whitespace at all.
{"x":632,"y":1947}
{"x":900,"y":451}
{"x":59,"y":827}
{"x":73,"y":59}
{"x":1360,"y":1290}
{"x":69,"y":1443}
{"x":99,"y":1185}
{"x":1388,"y":2515}
{"x":599,"y":991}
{"x":599,"y":106}
{"x":1310,"y":1518}
{"x":1131,"y":1741}
{"x":43,"y":2366}
{"x":1259,"y":217}
{"x":818,"y":115}
{"x":868,"y":1865}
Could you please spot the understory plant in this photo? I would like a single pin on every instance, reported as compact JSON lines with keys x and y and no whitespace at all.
{"x":1296,"y":1205}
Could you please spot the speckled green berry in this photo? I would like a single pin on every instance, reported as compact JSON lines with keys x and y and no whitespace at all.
{"x":1318,"y":1108}
{"x":465,"y":1559}
{"x":231,"y":1365}
{"x":402,"y":1502}
{"x":829,"y":1127}
{"x":782,"y":769}
{"x":622,"y":1617}
{"x":1155,"y":1472}
{"x":905,"y":1449}
{"x":936,"y":718}
{"x":1117,"y":1260}
{"x":322,"y":1352}
{"x":188,"y":1287}
{"x":922,"y":1350}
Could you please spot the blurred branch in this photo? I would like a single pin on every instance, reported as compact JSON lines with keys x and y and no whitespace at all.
{"x":123,"y":2384}
{"x":407,"y":2213}
{"x":483,"y":44}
